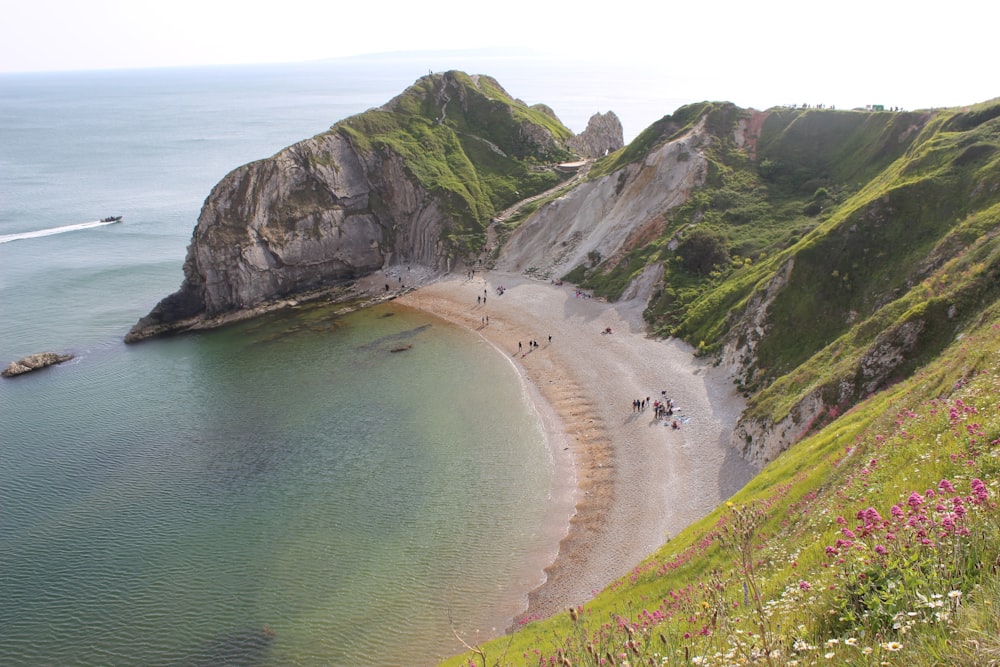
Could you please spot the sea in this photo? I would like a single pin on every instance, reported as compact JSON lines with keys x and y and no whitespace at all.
{"x":284,"y":491}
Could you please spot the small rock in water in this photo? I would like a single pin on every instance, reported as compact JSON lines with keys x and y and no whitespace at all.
{"x":34,"y":362}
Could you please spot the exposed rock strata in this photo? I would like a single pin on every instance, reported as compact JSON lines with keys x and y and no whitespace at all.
{"x":317,"y":214}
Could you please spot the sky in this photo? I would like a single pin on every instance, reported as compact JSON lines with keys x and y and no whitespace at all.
{"x":756,"y":54}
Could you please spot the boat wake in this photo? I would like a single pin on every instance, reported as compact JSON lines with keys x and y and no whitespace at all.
{"x":7,"y":238}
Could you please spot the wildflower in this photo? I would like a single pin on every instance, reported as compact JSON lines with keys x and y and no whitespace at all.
{"x":848,"y":533}
{"x":851,"y":641}
{"x":866,"y":650}
{"x":959,"y":506}
{"x":892,"y":646}
{"x":946,"y":486}
{"x":896,"y":511}
{"x":881,"y":550}
{"x":915,"y":501}
{"x":804,"y":585}
{"x":979,"y":490}
{"x":871,"y":516}
{"x":830,"y":655}
{"x":954,"y":595}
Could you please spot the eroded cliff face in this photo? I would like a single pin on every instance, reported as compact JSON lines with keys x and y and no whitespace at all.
{"x":316,"y":213}
{"x":609,"y":214}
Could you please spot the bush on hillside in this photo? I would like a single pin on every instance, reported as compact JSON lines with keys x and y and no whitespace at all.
{"x":701,"y":251}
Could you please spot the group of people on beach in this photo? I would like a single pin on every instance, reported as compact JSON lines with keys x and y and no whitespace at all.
{"x":533,"y":344}
{"x":662,"y":409}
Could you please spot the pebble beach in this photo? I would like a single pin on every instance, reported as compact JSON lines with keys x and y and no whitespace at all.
{"x":630,"y":480}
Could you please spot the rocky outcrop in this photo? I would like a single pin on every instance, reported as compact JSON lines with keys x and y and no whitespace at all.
{"x":604,"y":135}
{"x":760,"y":441}
{"x":317,"y":213}
{"x":739,"y":353}
{"x":34,"y":362}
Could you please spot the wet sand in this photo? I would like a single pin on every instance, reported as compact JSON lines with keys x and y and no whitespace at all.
{"x":632,"y":481}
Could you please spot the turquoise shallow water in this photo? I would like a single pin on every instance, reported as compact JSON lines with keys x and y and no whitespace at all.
{"x":292,"y":473}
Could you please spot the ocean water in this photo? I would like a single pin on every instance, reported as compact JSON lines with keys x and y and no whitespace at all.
{"x":286,"y":491}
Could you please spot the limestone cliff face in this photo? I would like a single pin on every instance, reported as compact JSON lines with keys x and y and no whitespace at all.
{"x":316,"y":213}
{"x":413,"y":182}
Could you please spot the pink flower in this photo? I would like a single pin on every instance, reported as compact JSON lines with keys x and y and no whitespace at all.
{"x":804,"y":585}
{"x":848,"y":533}
{"x":946,"y":486}
{"x":979,"y":490}
{"x":915,"y":501}
{"x":880,"y":550}
{"x":871,"y":516}
{"x":959,"y":506}
{"x":896,"y":511}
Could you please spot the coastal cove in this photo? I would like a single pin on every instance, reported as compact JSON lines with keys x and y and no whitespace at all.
{"x":273,"y":490}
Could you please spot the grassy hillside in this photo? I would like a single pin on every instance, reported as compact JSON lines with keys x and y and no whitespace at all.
{"x":471,"y":145}
{"x":855,"y":257}
{"x":876,"y":540}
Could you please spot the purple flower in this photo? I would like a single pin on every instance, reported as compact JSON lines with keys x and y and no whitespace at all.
{"x":880,"y":550}
{"x":915,"y":501}
{"x":848,"y":533}
{"x":946,"y":486}
{"x":896,"y":511}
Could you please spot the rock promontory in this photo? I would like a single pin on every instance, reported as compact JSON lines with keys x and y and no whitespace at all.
{"x":416,"y":181}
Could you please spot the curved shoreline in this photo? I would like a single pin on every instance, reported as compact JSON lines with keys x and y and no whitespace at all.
{"x":633,"y":481}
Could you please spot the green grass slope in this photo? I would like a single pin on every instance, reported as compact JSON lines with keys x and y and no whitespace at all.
{"x":471,"y":145}
{"x":874,"y":539}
